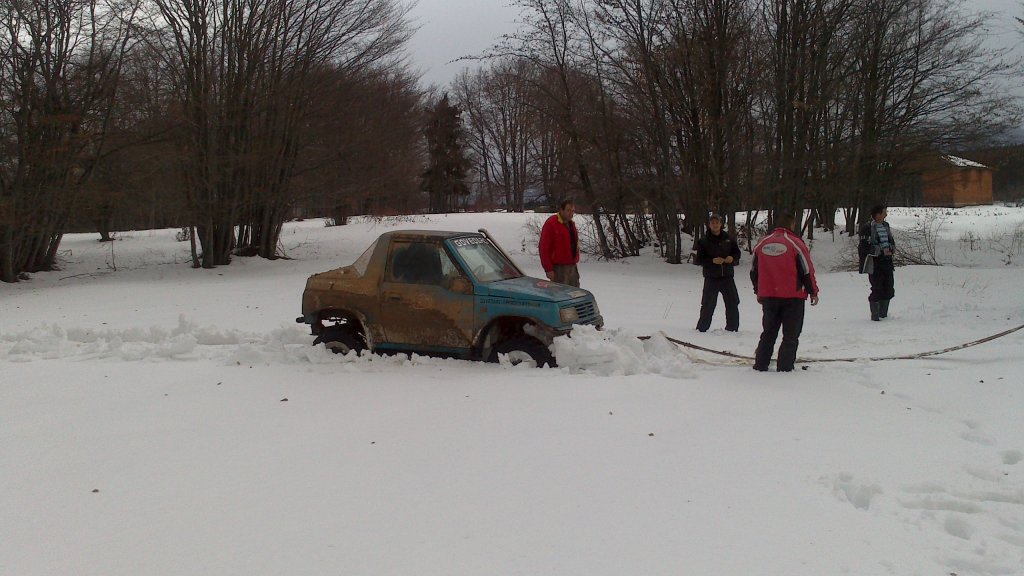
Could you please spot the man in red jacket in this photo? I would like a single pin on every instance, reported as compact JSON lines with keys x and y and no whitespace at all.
{"x":560,"y":246}
{"x":783,"y":277}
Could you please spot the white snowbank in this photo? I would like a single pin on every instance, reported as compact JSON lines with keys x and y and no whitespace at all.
{"x":588,"y":350}
{"x":620,"y":352}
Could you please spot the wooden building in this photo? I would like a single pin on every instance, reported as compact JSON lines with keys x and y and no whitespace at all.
{"x":954,"y":182}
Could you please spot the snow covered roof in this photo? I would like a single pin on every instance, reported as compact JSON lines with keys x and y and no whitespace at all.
{"x":963,"y":162}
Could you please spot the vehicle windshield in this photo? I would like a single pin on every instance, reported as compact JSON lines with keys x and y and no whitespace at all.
{"x":485,"y":262}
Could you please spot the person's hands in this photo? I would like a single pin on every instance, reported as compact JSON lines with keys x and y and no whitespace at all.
{"x":551,"y":275}
{"x":728,"y":259}
{"x":718,"y":260}
{"x":814,"y":300}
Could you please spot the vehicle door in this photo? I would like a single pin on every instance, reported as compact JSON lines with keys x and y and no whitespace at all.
{"x":426,"y":300}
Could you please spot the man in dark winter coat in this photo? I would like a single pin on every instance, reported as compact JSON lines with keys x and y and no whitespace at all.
{"x":875,"y":249}
{"x":559,"y":246}
{"x":718,"y":254}
{"x":783,"y":278}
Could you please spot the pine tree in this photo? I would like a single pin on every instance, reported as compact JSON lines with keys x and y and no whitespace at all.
{"x":444,"y":181}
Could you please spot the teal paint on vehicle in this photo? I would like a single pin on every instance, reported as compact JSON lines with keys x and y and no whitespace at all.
{"x":443,"y":293}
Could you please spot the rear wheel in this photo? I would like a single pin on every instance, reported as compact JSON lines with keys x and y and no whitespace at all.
{"x":342,"y":339}
{"x":524,"y":349}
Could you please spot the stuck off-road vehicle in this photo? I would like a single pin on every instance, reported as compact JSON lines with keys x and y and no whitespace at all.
{"x":454,"y":294}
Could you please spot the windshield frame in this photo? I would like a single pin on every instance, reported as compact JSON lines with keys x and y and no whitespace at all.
{"x":363,"y":262}
{"x":482,"y":260}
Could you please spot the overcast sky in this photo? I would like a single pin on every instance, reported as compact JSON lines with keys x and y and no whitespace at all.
{"x":449,"y":29}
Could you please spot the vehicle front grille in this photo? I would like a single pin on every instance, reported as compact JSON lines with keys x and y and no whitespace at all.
{"x":587,"y":311}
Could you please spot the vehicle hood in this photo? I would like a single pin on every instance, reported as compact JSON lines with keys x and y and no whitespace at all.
{"x":528,"y":288}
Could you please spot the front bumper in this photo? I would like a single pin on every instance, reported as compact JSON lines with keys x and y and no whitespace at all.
{"x":315,"y":325}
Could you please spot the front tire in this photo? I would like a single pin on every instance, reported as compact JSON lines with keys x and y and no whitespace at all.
{"x":342,"y":339}
{"x":524,"y":349}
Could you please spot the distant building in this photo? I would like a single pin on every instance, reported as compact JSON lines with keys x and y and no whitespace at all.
{"x":953,"y":182}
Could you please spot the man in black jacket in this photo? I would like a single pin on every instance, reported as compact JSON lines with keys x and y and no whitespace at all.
{"x":718,"y":254}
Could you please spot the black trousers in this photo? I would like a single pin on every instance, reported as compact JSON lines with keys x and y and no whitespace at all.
{"x":883,"y":282}
{"x":785,"y":313}
{"x":712,"y":288}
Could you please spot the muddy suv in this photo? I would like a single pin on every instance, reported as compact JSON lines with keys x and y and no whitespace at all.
{"x":455,"y":294}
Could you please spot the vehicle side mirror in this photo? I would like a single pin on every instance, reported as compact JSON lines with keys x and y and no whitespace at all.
{"x":460,"y":285}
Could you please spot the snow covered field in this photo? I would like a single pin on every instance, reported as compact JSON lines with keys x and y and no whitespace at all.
{"x":158,"y":420}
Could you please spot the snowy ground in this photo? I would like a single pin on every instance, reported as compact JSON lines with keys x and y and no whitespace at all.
{"x":159,"y":420}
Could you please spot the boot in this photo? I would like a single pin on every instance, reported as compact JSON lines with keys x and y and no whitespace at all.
{"x":876,"y":309}
{"x":883,"y":308}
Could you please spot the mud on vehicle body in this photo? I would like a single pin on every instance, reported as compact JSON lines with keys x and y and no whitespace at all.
{"x":452,"y":294}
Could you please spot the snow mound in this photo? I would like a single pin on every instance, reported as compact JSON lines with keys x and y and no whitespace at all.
{"x":587,"y":350}
{"x":186,"y":341}
{"x":619,"y":353}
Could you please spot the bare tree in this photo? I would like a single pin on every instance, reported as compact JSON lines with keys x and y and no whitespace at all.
{"x":662,"y":106}
{"x":499,"y":111}
{"x":551,"y":40}
{"x":921,"y":80}
{"x":59,"y":68}
{"x":135,"y":184}
{"x":712,"y":71}
{"x":805,"y":47}
{"x":245,"y":73}
{"x":364,"y":153}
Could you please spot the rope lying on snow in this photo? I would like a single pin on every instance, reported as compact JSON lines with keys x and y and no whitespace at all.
{"x":872,"y":359}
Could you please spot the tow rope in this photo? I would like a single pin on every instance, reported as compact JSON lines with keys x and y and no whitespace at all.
{"x":871,"y":359}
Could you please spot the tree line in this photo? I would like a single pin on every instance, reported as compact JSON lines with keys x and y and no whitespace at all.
{"x":221,"y":117}
{"x":227,"y":117}
{"x":674,"y":108}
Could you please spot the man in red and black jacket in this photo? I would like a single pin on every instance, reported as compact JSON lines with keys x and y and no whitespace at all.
{"x":783,"y":277}
{"x":560,"y":246}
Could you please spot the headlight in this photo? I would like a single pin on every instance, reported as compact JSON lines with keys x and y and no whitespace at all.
{"x":568,"y":315}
